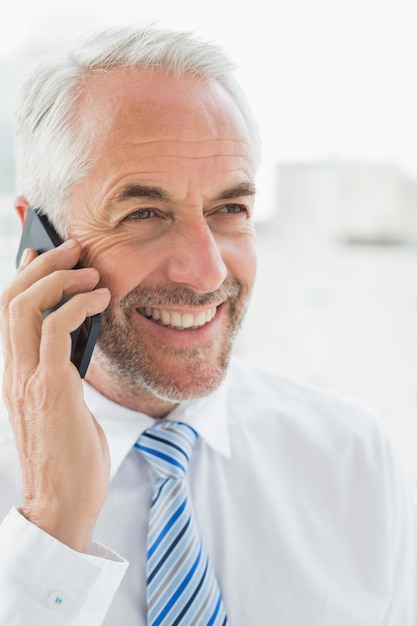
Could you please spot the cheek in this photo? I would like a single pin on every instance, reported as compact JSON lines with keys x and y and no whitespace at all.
{"x":124,"y":264}
{"x":241,"y":259}
{"x":116,"y":273}
{"x":121,"y":265}
{"x":248,"y":264}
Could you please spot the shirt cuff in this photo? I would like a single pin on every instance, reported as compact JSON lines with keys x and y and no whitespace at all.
{"x":43,"y":581}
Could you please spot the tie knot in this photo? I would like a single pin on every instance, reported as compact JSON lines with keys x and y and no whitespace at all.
{"x":167,"y":446}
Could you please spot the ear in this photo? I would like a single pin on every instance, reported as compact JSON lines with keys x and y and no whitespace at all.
{"x":21,"y":205}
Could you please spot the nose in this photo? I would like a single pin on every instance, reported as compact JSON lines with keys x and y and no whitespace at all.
{"x":195,"y":259}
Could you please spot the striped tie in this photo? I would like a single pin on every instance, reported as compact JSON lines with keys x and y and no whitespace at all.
{"x":181,"y":587}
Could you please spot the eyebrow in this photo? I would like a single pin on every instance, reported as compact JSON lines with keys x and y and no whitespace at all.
{"x":150,"y":192}
{"x":143,"y":191}
{"x":243,"y":189}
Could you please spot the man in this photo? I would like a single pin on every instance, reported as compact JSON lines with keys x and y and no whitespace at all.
{"x":142,"y":151}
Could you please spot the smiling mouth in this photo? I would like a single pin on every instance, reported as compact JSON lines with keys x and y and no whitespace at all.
{"x":179,"y":321}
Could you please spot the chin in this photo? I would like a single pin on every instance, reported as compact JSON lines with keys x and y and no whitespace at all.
{"x":177,"y":379}
{"x":202,"y":384}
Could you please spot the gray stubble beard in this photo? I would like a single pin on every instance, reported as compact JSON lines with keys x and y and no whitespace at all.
{"x":132,"y":363}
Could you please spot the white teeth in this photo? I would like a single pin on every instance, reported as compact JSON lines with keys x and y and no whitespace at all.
{"x":187,"y":320}
{"x":200,"y":318}
{"x":165,"y":318}
{"x":178,"y":320}
{"x":210,"y":314}
{"x":175,"y":319}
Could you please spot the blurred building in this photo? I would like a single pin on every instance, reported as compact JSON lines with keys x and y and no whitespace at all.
{"x":349,"y":201}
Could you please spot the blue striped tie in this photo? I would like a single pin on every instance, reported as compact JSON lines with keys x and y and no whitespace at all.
{"x":181,"y":587}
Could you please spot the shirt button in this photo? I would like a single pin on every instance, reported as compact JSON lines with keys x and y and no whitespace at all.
{"x":58,"y":600}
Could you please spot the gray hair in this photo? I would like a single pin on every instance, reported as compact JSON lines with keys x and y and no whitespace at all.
{"x":50,"y":157}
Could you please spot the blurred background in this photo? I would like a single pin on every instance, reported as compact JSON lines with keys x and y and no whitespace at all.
{"x":332,"y":84}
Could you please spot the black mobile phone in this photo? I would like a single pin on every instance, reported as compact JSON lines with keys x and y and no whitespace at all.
{"x":38,"y":233}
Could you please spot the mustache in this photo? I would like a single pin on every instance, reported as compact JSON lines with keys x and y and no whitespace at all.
{"x":170,"y":295}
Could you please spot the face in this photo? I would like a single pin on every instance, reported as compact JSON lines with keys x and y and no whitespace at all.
{"x":165,"y":215}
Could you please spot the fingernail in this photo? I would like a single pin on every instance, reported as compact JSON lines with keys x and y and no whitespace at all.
{"x":70,"y":243}
{"x":25,"y":257}
{"x":101,"y":290}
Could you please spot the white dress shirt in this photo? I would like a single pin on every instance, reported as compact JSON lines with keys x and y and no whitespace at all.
{"x":304,"y":511}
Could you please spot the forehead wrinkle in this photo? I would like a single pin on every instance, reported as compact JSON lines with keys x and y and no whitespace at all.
{"x":186,"y":141}
{"x":198,"y":158}
{"x":203,"y":149}
{"x":187,"y":133}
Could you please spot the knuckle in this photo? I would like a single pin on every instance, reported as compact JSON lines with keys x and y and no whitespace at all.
{"x":5,"y":298}
{"x":15,"y":307}
{"x":56,"y":328}
{"x":8,"y":396}
{"x":30,"y":396}
{"x":51,"y":323}
{"x":13,"y":393}
{"x":37,"y":389}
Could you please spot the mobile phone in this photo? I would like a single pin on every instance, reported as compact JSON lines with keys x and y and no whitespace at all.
{"x":38,"y":233}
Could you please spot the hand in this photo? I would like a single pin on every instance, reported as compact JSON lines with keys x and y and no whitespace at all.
{"x":63,"y":451}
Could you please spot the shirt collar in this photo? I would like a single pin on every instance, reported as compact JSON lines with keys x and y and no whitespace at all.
{"x":123,"y":426}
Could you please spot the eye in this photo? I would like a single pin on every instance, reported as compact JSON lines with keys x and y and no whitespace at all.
{"x":233,"y":208}
{"x":141,"y":214}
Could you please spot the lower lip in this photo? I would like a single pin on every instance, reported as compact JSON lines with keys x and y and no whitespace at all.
{"x":186,"y":336}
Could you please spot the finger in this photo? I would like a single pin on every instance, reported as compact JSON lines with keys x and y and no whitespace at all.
{"x":29,"y":254}
{"x":55,"y":344}
{"x":49,"y":290}
{"x":26,"y":316}
{"x":32,"y":268}
{"x":36,"y":266}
